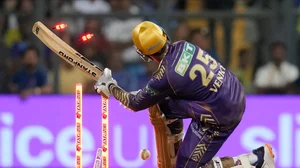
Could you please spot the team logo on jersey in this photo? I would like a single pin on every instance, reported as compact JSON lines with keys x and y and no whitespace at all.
{"x":185,"y":58}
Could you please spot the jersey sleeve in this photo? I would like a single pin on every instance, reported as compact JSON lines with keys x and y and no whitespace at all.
{"x":156,"y":90}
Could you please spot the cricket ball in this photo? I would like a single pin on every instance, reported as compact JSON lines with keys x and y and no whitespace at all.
{"x":144,"y":154}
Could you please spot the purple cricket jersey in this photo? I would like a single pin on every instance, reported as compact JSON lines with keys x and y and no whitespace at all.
{"x":200,"y":87}
{"x":189,"y":83}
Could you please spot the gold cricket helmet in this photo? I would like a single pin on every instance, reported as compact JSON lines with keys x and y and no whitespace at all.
{"x":149,"y":39}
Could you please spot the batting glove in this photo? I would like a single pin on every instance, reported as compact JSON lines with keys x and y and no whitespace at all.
{"x":102,"y":85}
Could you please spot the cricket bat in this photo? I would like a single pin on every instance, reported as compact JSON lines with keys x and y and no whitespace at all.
{"x":65,"y":51}
{"x":69,"y":54}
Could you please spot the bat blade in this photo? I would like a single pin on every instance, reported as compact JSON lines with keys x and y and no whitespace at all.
{"x":65,"y":51}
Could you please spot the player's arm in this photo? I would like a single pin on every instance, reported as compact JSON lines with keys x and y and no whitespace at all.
{"x":156,"y":90}
{"x":153,"y":93}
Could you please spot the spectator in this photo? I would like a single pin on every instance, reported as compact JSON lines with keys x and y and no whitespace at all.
{"x":202,"y":38}
{"x":147,"y":6}
{"x":75,"y":25}
{"x":88,"y":7}
{"x":118,"y":30}
{"x":99,"y":59}
{"x":26,"y":6}
{"x":91,"y":6}
{"x":9,"y":5}
{"x":276,"y":76}
{"x":49,"y":22}
{"x":66,"y":6}
{"x":182,"y":31}
{"x":91,"y":53}
{"x":99,"y":45}
{"x":10,"y":28}
{"x":69,"y":76}
{"x":243,"y":31}
{"x":145,"y":77}
{"x":119,"y":72}
{"x":25,"y":20}
{"x":31,"y":78}
{"x":6,"y":70}
{"x":177,"y":5}
{"x":245,"y":68}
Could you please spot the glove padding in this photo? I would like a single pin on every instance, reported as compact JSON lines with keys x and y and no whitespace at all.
{"x":102,"y":85}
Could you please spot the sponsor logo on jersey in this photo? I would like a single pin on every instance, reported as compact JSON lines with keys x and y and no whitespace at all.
{"x":159,"y":73}
{"x":151,"y":91}
{"x":185,"y":58}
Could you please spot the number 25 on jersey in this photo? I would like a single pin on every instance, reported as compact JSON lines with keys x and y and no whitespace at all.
{"x":205,"y":75}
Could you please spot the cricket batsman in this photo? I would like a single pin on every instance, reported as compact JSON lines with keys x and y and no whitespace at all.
{"x":188,"y":83}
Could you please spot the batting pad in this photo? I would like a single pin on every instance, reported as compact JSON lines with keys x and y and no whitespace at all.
{"x":167,"y":144}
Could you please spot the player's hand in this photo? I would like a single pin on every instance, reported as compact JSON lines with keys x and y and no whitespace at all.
{"x":102,"y":85}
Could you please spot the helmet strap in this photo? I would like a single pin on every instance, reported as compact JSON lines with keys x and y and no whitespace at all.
{"x":154,"y":58}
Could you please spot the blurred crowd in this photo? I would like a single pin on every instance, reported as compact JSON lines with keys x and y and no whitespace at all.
{"x":28,"y":70}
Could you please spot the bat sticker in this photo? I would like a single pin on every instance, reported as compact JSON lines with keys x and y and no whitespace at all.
{"x":37,"y":29}
{"x":86,"y":60}
{"x":77,"y":63}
